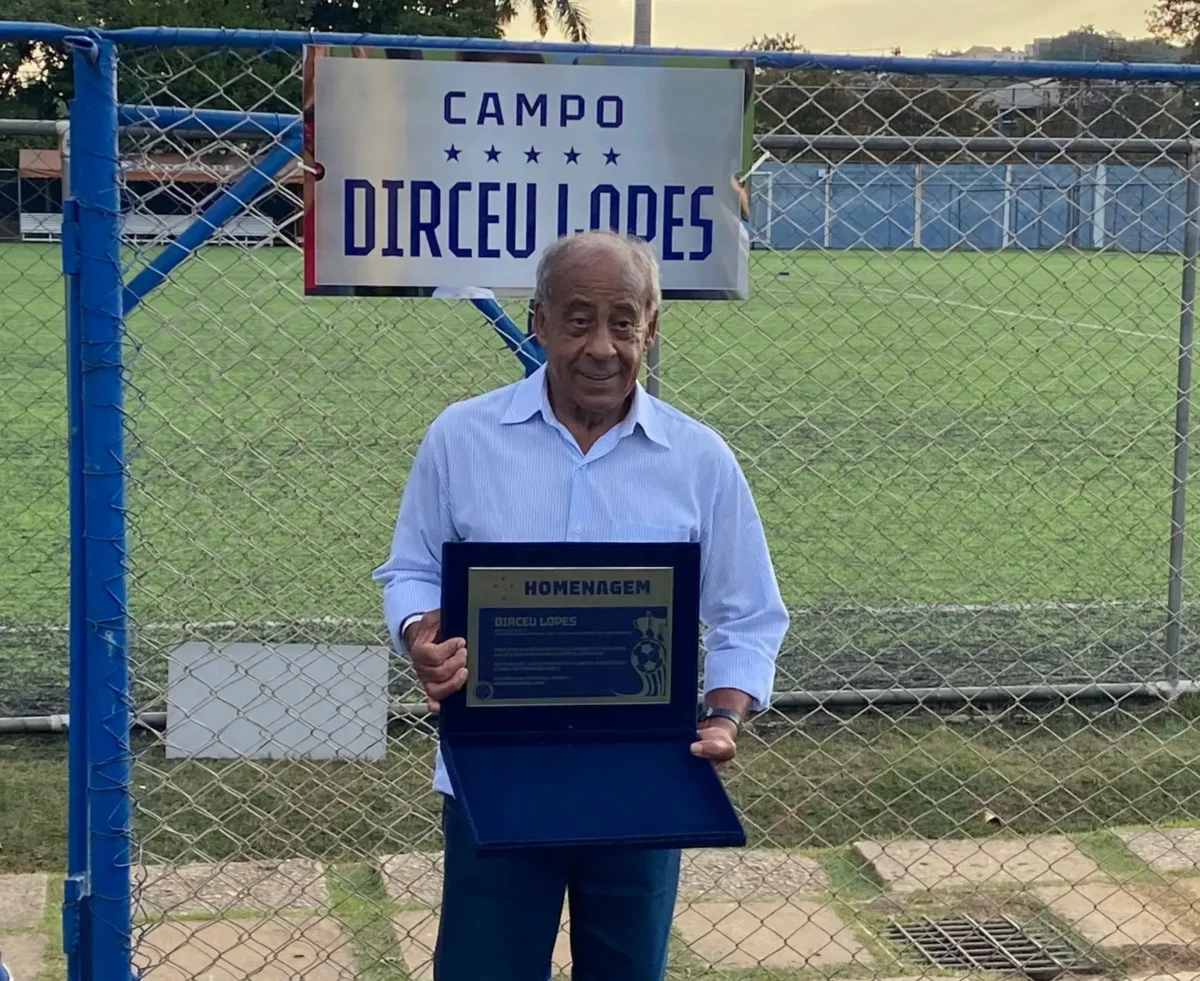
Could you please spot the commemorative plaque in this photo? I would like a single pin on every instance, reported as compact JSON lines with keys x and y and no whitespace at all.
{"x":576,"y":721}
{"x":569,"y":636}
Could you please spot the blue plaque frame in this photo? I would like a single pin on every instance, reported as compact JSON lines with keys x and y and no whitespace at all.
{"x":585,"y":775}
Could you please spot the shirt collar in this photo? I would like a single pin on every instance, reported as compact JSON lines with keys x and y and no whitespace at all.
{"x":531,"y":398}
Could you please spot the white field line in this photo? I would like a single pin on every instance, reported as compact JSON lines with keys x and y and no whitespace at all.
{"x":913,"y":609}
{"x":841,"y":289}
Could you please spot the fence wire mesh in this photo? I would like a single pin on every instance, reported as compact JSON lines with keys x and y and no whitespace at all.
{"x":953,"y":391}
{"x":33,"y":543}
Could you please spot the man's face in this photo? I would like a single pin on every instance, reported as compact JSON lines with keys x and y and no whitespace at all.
{"x":595,"y":327}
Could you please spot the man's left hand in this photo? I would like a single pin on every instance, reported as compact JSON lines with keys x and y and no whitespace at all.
{"x":717,"y":742}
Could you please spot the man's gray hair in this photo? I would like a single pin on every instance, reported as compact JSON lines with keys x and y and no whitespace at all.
{"x":560,"y":249}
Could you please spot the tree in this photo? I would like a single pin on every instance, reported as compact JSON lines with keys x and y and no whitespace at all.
{"x":35,"y":79}
{"x":1082,"y":44}
{"x":813,"y":102}
{"x":775,"y":42}
{"x":570,"y":16}
{"x":1177,"y":20}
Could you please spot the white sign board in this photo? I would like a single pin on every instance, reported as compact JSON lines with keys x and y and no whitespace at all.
{"x":284,"y":701}
{"x":439,"y":169}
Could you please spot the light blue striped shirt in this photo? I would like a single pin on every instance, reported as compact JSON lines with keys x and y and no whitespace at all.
{"x":501,"y":468}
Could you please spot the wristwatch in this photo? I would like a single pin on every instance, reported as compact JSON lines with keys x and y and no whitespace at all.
{"x":712,"y":712}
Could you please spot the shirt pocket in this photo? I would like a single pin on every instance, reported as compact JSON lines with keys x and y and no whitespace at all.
{"x":643,"y":531}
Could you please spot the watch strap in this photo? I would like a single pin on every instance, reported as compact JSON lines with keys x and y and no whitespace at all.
{"x":713,"y":712}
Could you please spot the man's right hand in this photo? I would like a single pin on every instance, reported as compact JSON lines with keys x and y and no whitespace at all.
{"x":441,"y":668}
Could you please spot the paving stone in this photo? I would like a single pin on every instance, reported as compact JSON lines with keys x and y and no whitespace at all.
{"x":22,"y":954}
{"x":1173,"y":976}
{"x":22,"y":900}
{"x":1190,"y":889}
{"x":768,"y":934}
{"x":710,"y":874}
{"x":744,"y":874}
{"x":417,"y":932}
{"x":212,"y":889}
{"x":919,"y":865}
{"x":1168,"y":850}
{"x":1114,"y":916}
{"x":273,"y":949}
{"x":413,"y":877}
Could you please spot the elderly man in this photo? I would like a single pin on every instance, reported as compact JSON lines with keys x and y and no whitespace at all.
{"x":579,"y":451}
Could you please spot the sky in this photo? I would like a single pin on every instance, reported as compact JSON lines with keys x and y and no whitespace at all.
{"x":859,"y":26}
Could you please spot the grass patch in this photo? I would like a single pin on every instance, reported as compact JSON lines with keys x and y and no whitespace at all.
{"x":887,"y":778}
{"x":224,"y":913}
{"x":852,"y":879}
{"x":818,"y":788}
{"x":54,"y":964}
{"x":918,"y":428}
{"x":1112,"y":855}
{"x":33,"y":804}
{"x":362,"y":904}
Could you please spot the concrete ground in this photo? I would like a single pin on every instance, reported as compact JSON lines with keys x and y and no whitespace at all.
{"x":1128,"y":902}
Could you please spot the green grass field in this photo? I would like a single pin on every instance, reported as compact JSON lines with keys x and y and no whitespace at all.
{"x":920,"y":431}
{"x":954,"y":455}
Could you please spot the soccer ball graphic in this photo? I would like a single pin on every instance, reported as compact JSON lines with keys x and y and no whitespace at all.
{"x":647,"y":655}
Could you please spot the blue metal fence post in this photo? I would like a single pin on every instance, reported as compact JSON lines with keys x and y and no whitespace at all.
{"x":75,"y":886}
{"x":96,"y":195}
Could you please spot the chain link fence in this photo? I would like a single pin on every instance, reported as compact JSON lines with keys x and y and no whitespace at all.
{"x":953,"y":390}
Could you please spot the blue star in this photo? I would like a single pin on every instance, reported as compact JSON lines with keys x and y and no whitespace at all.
{"x":531,"y":155}
{"x":453,"y":152}
{"x":493,"y":154}
{"x":610,"y":157}
{"x":572,"y":156}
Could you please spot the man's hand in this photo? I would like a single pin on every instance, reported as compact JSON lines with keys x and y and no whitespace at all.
{"x":717,"y":742}
{"x":718,"y":736}
{"x":441,"y":668}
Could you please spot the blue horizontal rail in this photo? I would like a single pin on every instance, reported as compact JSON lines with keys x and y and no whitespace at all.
{"x":525,"y":346}
{"x":220,"y":122}
{"x":230,"y":203}
{"x":235,"y":198}
{"x":221,"y":37}
{"x":35,"y":31}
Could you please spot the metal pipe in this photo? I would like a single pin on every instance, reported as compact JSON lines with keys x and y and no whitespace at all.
{"x":641,"y":22}
{"x":39,"y":723}
{"x":219,"y":37}
{"x":222,"y":123}
{"x":641,"y":37}
{"x":77,"y":804}
{"x":269,"y":125}
{"x":266,"y":125}
{"x":32,"y":127}
{"x":783,"y":700}
{"x":230,"y":202}
{"x":243,"y":125}
{"x":1183,"y":406}
{"x":974,"y":144}
{"x":35,"y":31}
{"x":525,"y":346}
{"x":962,"y":695}
{"x":95,"y":186}
{"x":75,"y":881}
{"x":252,"y":125}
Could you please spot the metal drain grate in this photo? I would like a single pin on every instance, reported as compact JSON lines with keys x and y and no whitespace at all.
{"x":989,"y":945}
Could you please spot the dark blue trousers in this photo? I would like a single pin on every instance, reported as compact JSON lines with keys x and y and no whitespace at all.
{"x":500,"y":913}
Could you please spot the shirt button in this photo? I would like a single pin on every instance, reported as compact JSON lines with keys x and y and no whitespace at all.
{"x":578,"y":529}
